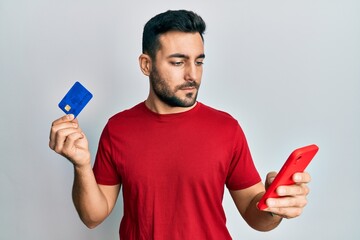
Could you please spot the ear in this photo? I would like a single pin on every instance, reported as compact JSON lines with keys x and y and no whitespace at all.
{"x":145,"y":64}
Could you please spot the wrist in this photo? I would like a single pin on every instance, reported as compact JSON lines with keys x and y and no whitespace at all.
{"x":83,"y":166}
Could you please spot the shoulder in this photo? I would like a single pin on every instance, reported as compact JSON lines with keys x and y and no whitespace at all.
{"x":217,"y":115}
{"x":128,"y":113}
{"x":127,"y":117}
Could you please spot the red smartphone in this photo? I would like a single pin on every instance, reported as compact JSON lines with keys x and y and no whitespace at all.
{"x":298,"y":160}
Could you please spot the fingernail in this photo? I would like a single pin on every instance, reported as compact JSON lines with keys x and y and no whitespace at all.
{"x":297,"y":177}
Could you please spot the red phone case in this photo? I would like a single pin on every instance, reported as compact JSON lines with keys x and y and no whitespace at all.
{"x":298,"y":160}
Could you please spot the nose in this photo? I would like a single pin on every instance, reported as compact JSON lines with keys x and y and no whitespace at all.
{"x":191,"y":72}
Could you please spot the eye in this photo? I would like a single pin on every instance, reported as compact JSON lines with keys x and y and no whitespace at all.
{"x":199,"y":63}
{"x":177,"y":64}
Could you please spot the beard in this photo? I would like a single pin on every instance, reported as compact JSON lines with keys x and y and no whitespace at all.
{"x":167,"y":96}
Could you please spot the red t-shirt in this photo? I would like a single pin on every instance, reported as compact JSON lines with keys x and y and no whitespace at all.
{"x":173,"y":169}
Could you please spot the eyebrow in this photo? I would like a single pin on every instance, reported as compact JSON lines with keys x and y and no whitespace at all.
{"x":180,"y":55}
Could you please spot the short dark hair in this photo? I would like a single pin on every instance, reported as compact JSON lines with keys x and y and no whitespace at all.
{"x":178,"y":20}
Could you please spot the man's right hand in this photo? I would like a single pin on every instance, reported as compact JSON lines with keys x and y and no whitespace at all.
{"x":68,"y":140}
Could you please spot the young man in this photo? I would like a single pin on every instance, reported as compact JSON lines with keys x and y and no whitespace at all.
{"x":172,"y":156}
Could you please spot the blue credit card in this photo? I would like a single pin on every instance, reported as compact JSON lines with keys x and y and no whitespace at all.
{"x":75,"y":100}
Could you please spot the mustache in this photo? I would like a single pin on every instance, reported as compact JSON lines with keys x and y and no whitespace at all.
{"x":188,"y":84}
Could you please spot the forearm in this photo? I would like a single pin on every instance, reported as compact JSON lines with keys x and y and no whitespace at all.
{"x":260,"y":220}
{"x":89,"y":201}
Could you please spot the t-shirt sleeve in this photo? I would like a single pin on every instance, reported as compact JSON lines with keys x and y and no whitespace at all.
{"x":105,"y":169}
{"x":242,"y":171}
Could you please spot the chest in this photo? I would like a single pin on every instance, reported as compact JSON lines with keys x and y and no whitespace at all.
{"x":159,"y":155}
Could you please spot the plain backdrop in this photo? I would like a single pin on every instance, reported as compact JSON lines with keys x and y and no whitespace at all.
{"x":288,"y":71}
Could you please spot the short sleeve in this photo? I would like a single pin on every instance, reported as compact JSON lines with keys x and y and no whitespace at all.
{"x":242,"y":171}
{"x":105,"y":170}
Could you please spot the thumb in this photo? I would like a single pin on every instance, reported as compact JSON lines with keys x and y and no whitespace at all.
{"x":270,"y":178}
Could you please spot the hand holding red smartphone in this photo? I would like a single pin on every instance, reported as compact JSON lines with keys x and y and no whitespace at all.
{"x":298,"y":160}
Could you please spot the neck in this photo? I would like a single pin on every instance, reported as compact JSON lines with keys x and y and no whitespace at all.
{"x":160,"y":107}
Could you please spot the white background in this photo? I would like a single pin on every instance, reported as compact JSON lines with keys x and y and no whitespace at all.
{"x":289,"y":71}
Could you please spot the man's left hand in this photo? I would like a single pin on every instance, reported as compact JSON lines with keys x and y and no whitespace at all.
{"x":292,"y":198}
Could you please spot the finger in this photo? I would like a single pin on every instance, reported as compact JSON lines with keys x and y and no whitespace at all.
{"x":287,"y":202}
{"x":286,"y":212}
{"x":60,"y":138}
{"x":293,"y":190}
{"x":270,"y":178}
{"x":56,"y":128}
{"x":69,"y":144}
{"x":303,"y":177}
{"x":65,"y":118}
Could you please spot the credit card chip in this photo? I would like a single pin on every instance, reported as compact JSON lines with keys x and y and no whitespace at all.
{"x":67,"y":107}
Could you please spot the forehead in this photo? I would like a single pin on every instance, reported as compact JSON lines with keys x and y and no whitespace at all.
{"x":181,"y":42}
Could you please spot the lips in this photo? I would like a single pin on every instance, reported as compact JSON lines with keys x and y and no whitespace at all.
{"x":188,"y":86}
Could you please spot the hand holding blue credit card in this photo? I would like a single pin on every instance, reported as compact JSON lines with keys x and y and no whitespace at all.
{"x":75,"y":99}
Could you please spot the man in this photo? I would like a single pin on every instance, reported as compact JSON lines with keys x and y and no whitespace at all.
{"x":171,"y":155}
